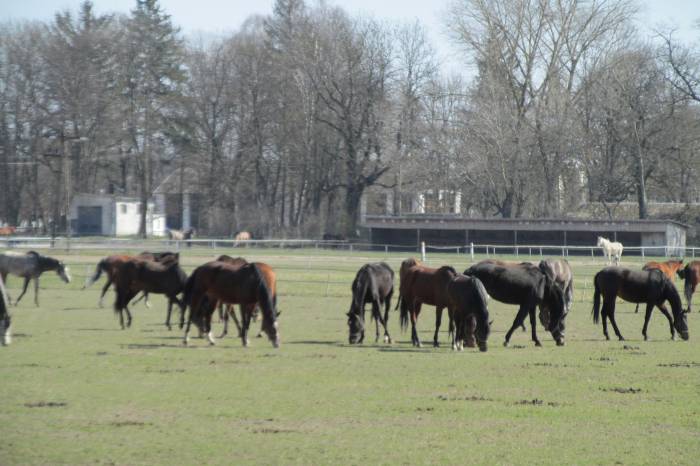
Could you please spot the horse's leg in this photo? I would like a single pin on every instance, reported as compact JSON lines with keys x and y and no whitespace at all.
{"x":414,"y":320}
{"x":517,"y":322}
{"x":377,"y":315}
{"x":246,"y":314}
{"x":385,"y":322}
{"x":232,"y":313}
{"x":533,"y":324}
{"x":647,"y":317}
{"x":665,"y":312}
{"x":128,"y":316}
{"x":167,"y":318}
{"x":636,"y":309}
{"x":438,"y":322}
{"x":210,"y":315}
{"x":24,"y":289}
{"x":4,"y":280}
{"x":145,"y":300}
{"x":36,"y":291}
{"x":611,"y":316}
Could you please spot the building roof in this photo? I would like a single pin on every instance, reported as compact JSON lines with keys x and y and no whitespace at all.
{"x":457,"y":222}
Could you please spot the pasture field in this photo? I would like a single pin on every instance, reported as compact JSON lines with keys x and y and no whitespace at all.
{"x":75,"y":389}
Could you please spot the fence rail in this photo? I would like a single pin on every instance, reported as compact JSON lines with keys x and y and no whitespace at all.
{"x":533,"y":250}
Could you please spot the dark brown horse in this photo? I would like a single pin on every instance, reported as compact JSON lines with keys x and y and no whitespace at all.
{"x":526,"y":285}
{"x":374,"y":284}
{"x":637,"y":286}
{"x":423,"y":285}
{"x":669,"y":268}
{"x":137,"y":275}
{"x":468,"y":300}
{"x":691,"y":277}
{"x":110,"y":264}
{"x":561,"y":273}
{"x":217,"y":281}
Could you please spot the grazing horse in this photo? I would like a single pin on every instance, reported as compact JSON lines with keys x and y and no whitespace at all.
{"x":637,"y":286}
{"x":242,"y":236}
{"x":30,"y":266}
{"x":5,"y":317}
{"x":691,"y":277}
{"x":561,"y":273}
{"x":526,"y":285}
{"x":139,"y":275}
{"x":109,"y":266}
{"x":374,"y":283}
{"x":423,"y":285}
{"x":669,"y":268}
{"x":217,"y":281}
{"x":611,"y":249}
{"x":181,"y":235}
{"x":468,"y":300}
{"x":7,"y":231}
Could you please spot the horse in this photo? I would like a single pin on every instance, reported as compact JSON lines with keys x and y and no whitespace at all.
{"x":611,"y":249}
{"x":669,"y":268}
{"x":139,"y":275}
{"x":561,"y":273}
{"x":7,"y":231}
{"x":5,"y":317}
{"x":373,"y":283}
{"x":217,"y":281}
{"x":526,"y":285}
{"x":468,"y":300}
{"x":181,"y":235}
{"x":109,"y":265}
{"x":637,"y":286}
{"x":30,"y":266}
{"x":691,"y":277}
{"x":423,"y":285}
{"x":242,"y":236}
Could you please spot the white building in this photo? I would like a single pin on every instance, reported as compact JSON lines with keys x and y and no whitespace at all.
{"x":100,"y":214}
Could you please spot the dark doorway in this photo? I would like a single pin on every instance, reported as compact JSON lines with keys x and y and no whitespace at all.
{"x":89,"y":220}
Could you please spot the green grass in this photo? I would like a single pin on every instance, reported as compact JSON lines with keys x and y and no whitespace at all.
{"x":139,"y":397}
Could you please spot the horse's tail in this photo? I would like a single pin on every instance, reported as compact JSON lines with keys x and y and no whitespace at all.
{"x":398,"y":302}
{"x":188,"y":289}
{"x":265,"y":296}
{"x":596,"y":299}
{"x":101,"y":265}
{"x":688,"y":284}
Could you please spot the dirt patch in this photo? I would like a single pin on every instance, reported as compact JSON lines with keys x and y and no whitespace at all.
{"x":680,"y":364}
{"x":545,"y":364}
{"x":321,"y":356}
{"x":537,"y":402}
{"x":630,"y":348}
{"x":271,"y":430}
{"x":46,"y":404}
{"x":164,"y":371}
{"x":425,"y":410}
{"x":101,"y":353}
{"x":463,"y":398}
{"x":129,"y":423}
{"x":517,"y":346}
{"x":623,"y":390}
{"x":602,"y":359}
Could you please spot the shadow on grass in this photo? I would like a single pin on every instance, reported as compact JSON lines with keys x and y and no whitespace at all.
{"x":153,"y":346}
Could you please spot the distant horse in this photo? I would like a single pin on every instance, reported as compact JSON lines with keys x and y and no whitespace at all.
{"x":138,"y":275}
{"x":181,"y":235}
{"x":5,"y":317}
{"x":7,"y":231}
{"x":423,"y":285}
{"x":669,"y":268}
{"x":109,"y":265}
{"x":691,"y":277}
{"x":242,"y":236}
{"x":637,"y":286}
{"x":373,"y":283}
{"x":30,"y":266}
{"x":469,"y":303}
{"x":561,"y":273}
{"x":611,"y":249}
{"x":217,"y":281}
{"x":526,"y":285}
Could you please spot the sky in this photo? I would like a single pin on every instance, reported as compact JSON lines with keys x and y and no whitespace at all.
{"x":217,"y":16}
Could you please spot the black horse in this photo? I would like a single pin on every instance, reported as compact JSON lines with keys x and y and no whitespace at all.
{"x":638,"y":286}
{"x":468,"y":301}
{"x":5,"y":318}
{"x":374,"y":283}
{"x":526,"y":285}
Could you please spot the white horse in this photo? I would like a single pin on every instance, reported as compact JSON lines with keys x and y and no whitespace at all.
{"x":611,"y":249}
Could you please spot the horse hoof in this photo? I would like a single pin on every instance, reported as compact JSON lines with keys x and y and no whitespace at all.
{"x":622,"y":338}
{"x":537,"y":343}
{"x":436,"y":344}
{"x":505,"y":343}
{"x":645,"y":338}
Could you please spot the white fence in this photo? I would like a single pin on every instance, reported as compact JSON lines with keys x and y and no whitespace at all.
{"x":64,"y":243}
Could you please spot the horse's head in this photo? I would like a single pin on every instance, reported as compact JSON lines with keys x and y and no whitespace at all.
{"x":356,"y":327}
{"x":483,"y":330}
{"x":63,"y":272}
{"x":600,"y":242}
{"x":680,"y":316}
{"x":682,"y":272}
{"x":271,"y":329}
{"x":553,"y":310}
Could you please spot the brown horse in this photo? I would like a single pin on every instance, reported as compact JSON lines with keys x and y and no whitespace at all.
{"x":669,"y":268}
{"x":423,"y":285}
{"x":7,"y":231}
{"x":691,"y":277}
{"x":242,"y":236}
{"x":110,"y":264}
{"x":139,"y":275}
{"x":217,"y":281}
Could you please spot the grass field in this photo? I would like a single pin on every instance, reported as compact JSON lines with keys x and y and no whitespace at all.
{"x":74,"y":389}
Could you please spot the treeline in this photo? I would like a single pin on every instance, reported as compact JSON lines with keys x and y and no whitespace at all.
{"x":284,"y":125}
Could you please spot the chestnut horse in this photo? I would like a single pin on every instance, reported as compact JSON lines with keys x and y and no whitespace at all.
{"x":637,"y":286}
{"x":7,"y":231}
{"x":423,"y":285}
{"x":669,"y":268}
{"x":691,"y":277}
{"x":217,"y":281}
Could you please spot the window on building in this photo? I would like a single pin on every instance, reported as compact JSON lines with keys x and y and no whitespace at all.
{"x":123,"y":208}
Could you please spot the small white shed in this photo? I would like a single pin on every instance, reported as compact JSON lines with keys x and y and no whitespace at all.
{"x":100,"y":214}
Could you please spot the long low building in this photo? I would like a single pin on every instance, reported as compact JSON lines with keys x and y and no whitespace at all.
{"x":453,"y":230}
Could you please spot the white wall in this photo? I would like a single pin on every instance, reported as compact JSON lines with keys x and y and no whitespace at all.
{"x":127,"y":218}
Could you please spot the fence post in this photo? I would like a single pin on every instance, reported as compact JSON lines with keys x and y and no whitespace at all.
{"x":351,"y":247}
{"x":386,"y":249}
{"x":642,"y":249}
{"x":516,"y":251}
{"x":471,"y":250}
{"x":422,"y":251}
